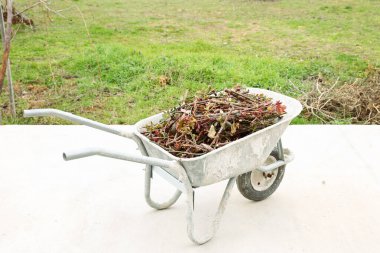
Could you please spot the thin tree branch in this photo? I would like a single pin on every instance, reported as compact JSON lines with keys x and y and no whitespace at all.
{"x":28,"y":8}
{"x":7,"y":46}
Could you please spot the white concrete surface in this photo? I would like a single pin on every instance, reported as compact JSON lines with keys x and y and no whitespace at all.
{"x":329,"y":200}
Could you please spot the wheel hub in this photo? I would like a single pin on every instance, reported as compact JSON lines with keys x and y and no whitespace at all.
{"x":260,"y":180}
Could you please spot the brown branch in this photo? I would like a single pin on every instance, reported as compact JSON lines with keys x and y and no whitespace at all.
{"x":221,"y":128}
{"x":7,"y":44}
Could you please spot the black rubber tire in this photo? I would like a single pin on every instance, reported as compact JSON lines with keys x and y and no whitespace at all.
{"x":245,"y":185}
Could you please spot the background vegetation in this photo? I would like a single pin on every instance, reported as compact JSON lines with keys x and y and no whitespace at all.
{"x":119,"y":61}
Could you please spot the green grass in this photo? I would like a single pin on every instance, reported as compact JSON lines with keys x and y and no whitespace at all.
{"x":107,"y":63}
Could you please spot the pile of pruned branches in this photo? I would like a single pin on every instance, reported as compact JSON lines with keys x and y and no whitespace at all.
{"x":207,"y":122}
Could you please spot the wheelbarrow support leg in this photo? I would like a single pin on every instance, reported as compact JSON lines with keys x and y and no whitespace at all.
{"x":148,"y":199}
{"x":280,"y":150}
{"x":217,"y":217}
{"x":189,"y":191}
{"x":148,"y":181}
{"x":182,"y":178}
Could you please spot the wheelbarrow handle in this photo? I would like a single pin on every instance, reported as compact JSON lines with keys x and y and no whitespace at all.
{"x":183,"y":180}
{"x":85,"y":152}
{"x":288,"y":157}
{"x":77,"y":119}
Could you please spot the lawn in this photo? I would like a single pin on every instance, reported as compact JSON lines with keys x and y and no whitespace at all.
{"x":120,"y":61}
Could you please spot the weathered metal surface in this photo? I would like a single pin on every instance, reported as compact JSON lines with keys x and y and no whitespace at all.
{"x":233,"y":159}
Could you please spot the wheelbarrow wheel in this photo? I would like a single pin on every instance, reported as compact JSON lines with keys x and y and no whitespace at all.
{"x":257,"y":185}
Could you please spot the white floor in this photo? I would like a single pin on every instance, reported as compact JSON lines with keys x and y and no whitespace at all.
{"x":329,"y":200}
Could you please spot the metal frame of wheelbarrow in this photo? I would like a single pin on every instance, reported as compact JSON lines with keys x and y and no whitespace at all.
{"x":182,"y":184}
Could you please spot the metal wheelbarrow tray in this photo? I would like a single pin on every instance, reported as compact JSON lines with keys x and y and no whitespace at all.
{"x":255,"y":159}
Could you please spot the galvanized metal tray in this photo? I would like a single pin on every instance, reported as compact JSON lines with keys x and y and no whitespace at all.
{"x":233,"y":159}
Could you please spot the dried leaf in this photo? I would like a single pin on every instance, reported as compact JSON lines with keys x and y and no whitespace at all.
{"x":164,"y":80}
{"x":211,"y":132}
{"x":280,"y":108}
{"x":185,"y":124}
{"x":234,"y":127}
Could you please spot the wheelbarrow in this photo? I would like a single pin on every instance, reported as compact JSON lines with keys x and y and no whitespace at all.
{"x":257,"y":161}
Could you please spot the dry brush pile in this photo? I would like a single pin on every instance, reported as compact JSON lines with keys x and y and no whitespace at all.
{"x":358,"y":102}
